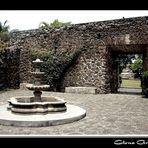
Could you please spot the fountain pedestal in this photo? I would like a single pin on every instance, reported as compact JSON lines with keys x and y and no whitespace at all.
{"x":37,"y":86}
{"x":37,"y":96}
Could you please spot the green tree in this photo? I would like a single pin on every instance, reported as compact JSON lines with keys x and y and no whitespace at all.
{"x":55,"y":23}
{"x":136,"y":67}
{"x":55,"y":65}
{"x":123,"y":60}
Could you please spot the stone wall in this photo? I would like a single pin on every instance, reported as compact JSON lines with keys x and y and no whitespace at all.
{"x":95,"y":66}
{"x":9,"y":68}
{"x":53,"y":39}
{"x":89,"y":70}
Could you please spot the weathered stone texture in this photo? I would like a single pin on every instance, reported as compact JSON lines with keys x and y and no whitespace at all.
{"x":10,"y":68}
{"x":95,"y":66}
{"x":89,"y":70}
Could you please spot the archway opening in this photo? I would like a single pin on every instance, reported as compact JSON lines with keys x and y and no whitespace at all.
{"x":130,"y":73}
{"x":127,"y":69}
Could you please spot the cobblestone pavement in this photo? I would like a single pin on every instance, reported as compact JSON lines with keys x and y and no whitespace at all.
{"x":106,"y":114}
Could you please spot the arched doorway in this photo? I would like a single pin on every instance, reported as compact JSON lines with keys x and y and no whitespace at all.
{"x":122,"y":84}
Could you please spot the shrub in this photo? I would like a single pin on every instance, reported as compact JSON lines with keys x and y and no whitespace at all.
{"x":136,"y":67}
{"x":145,"y":74}
{"x":54,"y":65}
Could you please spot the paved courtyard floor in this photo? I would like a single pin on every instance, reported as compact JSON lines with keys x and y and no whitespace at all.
{"x":106,"y":114}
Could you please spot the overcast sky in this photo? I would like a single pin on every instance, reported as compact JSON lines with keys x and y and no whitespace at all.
{"x":24,"y":20}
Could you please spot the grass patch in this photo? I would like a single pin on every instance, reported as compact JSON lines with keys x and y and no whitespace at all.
{"x":131,"y":83}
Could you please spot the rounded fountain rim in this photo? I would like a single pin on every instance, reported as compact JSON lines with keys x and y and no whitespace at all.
{"x":14,"y":101}
{"x":33,"y":85}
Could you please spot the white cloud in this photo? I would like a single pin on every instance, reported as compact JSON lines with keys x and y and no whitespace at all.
{"x":24,"y":20}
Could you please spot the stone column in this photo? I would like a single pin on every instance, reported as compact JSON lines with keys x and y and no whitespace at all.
{"x":144,"y":81}
{"x":105,"y":77}
{"x":111,"y":71}
{"x":145,"y":59}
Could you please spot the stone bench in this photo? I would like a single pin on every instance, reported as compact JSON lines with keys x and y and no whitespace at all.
{"x":81,"y":90}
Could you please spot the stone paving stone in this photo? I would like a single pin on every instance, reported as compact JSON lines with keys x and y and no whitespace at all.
{"x":106,"y":114}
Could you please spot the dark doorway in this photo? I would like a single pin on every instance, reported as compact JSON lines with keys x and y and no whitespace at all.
{"x":129,"y":73}
{"x":125,"y":78}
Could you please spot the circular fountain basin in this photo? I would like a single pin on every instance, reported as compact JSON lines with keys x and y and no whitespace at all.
{"x":72,"y":114}
{"x":37,"y":87}
{"x":25,"y":104}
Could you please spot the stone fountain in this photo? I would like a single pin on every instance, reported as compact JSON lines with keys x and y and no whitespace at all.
{"x":36,"y":104}
{"x":37,"y":86}
{"x":38,"y":110}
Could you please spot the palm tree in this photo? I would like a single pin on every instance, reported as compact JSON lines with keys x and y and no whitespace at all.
{"x":4,"y":31}
{"x":4,"y":27}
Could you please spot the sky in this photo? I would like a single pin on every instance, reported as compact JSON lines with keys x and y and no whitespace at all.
{"x":30,"y":19}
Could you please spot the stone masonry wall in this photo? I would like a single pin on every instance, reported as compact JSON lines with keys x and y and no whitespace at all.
{"x":9,"y":68}
{"x":93,"y":66}
{"x":89,"y":70}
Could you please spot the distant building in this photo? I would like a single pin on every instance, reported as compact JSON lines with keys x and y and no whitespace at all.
{"x":127,"y":73}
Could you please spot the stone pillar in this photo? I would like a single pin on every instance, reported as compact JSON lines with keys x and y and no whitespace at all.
{"x":114,"y":76}
{"x":144,"y":81}
{"x":145,"y":60}
{"x":111,"y":84}
{"x":105,"y":70}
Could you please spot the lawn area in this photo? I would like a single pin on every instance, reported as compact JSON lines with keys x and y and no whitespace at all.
{"x":131,"y":83}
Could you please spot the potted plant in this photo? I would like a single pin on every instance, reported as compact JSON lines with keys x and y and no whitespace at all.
{"x":144,"y":84}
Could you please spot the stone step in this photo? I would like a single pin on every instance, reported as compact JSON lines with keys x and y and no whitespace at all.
{"x":81,"y":90}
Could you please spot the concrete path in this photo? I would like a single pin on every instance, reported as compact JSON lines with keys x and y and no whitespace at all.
{"x":132,"y":91}
{"x":106,"y":114}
